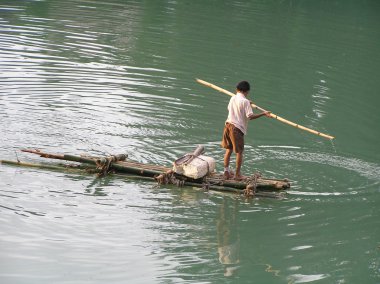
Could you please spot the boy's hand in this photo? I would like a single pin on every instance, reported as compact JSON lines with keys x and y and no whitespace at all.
{"x":267,"y":113}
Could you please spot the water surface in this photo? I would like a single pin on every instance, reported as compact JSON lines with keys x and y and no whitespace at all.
{"x":105,"y":77}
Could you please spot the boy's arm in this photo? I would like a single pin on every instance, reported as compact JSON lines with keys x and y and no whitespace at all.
{"x":254,"y":116}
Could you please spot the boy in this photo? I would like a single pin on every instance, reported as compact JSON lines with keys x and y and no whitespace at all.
{"x":239,"y":112}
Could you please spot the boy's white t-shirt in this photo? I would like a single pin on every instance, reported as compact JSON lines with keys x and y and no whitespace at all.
{"x":239,"y":109}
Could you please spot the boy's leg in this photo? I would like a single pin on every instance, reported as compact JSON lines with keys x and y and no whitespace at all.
{"x":227,"y":157}
{"x":239,"y":162}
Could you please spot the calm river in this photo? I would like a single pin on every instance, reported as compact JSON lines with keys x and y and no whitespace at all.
{"x":118,"y":76}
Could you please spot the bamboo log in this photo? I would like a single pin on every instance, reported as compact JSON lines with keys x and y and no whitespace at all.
{"x":262,"y":184}
{"x":71,"y":168}
{"x":144,"y":166}
{"x":30,"y":165}
{"x":271,"y":115}
{"x":116,"y":166}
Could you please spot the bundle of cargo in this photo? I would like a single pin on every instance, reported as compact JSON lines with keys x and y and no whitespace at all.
{"x":194,"y":165}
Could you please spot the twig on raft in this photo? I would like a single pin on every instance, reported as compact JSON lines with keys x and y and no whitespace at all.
{"x":43,"y":155}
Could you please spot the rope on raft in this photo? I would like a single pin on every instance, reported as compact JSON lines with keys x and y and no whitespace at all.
{"x":103,"y":165}
{"x":168,"y":178}
{"x":206,"y":185}
{"x":250,"y":189}
{"x":209,"y":182}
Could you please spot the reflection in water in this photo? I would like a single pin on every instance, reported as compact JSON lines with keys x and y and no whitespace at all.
{"x":228,"y":236}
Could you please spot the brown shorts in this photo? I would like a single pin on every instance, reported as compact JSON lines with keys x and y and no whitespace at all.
{"x":233,"y":138}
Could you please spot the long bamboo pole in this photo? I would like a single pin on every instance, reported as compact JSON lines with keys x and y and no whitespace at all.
{"x":272,"y":114}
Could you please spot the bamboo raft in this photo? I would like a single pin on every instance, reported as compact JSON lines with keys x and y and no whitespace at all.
{"x":254,"y":185}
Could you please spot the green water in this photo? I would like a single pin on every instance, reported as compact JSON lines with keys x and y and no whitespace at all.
{"x":117,"y":76}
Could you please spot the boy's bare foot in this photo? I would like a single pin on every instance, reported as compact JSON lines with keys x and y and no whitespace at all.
{"x":228,"y":175}
{"x":238,"y":177}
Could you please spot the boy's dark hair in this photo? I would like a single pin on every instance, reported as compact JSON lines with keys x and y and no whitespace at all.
{"x":243,"y":86}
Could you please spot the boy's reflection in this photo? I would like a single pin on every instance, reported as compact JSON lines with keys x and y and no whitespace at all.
{"x":228,"y":235}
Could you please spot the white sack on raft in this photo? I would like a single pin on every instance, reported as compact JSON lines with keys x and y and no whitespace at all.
{"x":197,"y":168}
